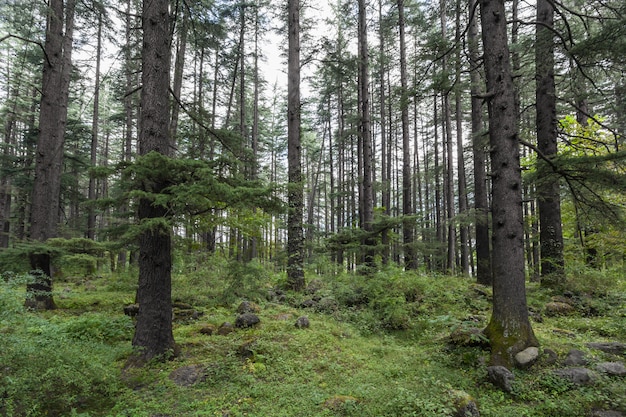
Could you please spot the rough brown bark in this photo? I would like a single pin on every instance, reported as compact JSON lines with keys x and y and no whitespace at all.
{"x":408,"y":229}
{"x":91,"y":213}
{"x":548,"y":197}
{"x":509,"y":329}
{"x":367,"y":197}
{"x":44,"y":216}
{"x":153,"y":332}
{"x":479,"y":145}
{"x":295,"y":239}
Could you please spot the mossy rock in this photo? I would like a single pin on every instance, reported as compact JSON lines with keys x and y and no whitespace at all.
{"x":557,"y":308}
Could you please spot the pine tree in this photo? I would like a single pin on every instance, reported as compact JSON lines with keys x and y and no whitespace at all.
{"x":509,"y":329}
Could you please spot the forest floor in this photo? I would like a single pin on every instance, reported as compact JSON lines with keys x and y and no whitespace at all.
{"x":377,"y":346}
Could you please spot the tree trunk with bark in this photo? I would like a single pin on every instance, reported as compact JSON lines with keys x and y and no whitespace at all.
{"x":365,"y":132}
{"x":91,"y":213}
{"x":295,"y":238}
{"x":408,"y":229}
{"x":479,"y":145}
{"x":153,"y":331}
{"x":509,"y":329}
{"x":44,"y":216}
{"x":548,"y":193}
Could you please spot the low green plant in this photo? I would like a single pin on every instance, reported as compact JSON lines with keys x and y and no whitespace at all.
{"x":51,"y":367}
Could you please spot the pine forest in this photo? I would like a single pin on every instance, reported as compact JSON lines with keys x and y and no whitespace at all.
{"x":290,"y":208}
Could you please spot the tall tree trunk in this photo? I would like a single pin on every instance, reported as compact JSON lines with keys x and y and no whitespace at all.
{"x":153,"y":331}
{"x":385,"y":180}
{"x":448,"y":154}
{"x":295,"y":240}
{"x":548,"y":190}
{"x":479,"y":144}
{"x":462,"y":182}
{"x":129,"y":106}
{"x":509,"y":329}
{"x":6,"y":181}
{"x":179,"y":66}
{"x":408,"y":229}
{"x":44,"y":216}
{"x":91,"y":213}
{"x":367,"y":197}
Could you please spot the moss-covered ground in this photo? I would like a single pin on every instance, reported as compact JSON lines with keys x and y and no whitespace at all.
{"x":376,"y":346}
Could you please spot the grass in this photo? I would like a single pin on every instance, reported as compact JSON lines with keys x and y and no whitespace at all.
{"x":378,"y":349}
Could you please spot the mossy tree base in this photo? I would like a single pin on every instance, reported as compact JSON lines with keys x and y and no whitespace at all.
{"x":507,"y":338}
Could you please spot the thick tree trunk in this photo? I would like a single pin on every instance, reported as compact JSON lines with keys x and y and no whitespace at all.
{"x":49,"y":156}
{"x":548,"y":193}
{"x":509,"y":329}
{"x":153,"y":331}
{"x":295,"y":240}
{"x":479,"y":146}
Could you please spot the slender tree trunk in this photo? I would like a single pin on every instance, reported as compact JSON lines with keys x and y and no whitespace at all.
{"x":91,"y":214}
{"x":295,"y":244}
{"x":408,"y":229}
{"x":385,"y":154}
{"x":448,"y":154}
{"x":6,"y":181}
{"x":509,"y":329}
{"x":44,"y":216}
{"x":548,"y":190}
{"x":153,"y":331}
{"x":479,"y":144}
{"x":179,"y":66}
{"x":366,"y":138}
{"x":462,"y":182}
{"x":255,"y":122}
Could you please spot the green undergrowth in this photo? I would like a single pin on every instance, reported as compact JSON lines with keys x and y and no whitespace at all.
{"x":376,"y":346}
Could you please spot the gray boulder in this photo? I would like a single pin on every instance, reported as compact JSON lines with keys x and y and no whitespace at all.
{"x":575,"y":357}
{"x":248,"y":307}
{"x":577,"y":376}
{"x":527,"y":357}
{"x":303,"y":322}
{"x":501,"y":377}
{"x":614,"y":348}
{"x":612,"y":368}
{"x":246,"y":320}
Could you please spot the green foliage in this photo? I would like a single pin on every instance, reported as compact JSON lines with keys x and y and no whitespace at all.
{"x":382,"y":350}
{"x":245,"y":280}
{"x":51,"y":367}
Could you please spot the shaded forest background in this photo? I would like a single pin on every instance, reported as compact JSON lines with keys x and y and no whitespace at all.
{"x":225,"y":112}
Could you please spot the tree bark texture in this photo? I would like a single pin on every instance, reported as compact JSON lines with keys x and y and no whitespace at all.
{"x":44,"y":216}
{"x":365,"y":131}
{"x":548,"y":197}
{"x":153,"y":331}
{"x":479,"y":145}
{"x":295,"y":238}
{"x":91,"y":213}
{"x":509,"y":329}
{"x":410,"y":259}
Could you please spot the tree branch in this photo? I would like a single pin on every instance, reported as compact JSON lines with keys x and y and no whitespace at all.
{"x":2,"y":39}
